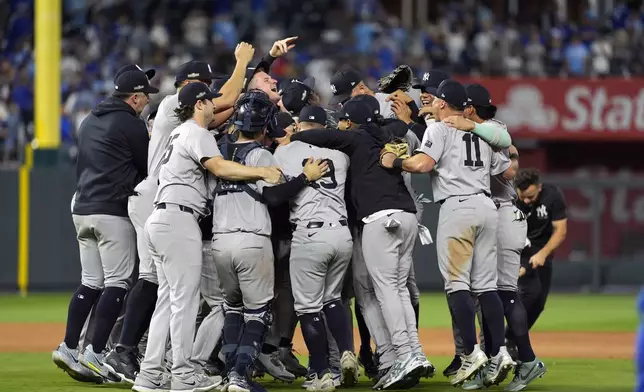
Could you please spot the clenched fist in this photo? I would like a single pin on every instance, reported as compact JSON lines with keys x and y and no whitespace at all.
{"x":244,"y":52}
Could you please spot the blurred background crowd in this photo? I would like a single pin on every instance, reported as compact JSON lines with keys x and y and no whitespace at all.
{"x":468,"y":37}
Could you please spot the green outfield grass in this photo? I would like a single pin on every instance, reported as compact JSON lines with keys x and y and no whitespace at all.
{"x":565,"y":312}
{"x":35,"y":372}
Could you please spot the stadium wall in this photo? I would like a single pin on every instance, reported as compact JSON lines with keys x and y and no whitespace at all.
{"x":54,"y":261}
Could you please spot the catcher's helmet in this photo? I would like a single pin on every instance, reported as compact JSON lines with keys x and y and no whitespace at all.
{"x":254,"y":112}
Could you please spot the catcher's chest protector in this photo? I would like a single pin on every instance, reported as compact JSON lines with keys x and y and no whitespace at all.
{"x":236,"y":152}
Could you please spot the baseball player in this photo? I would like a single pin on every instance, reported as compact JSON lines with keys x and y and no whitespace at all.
{"x":467,"y":228}
{"x":299,"y":93}
{"x":389,"y":129}
{"x":258,"y":78}
{"x":174,"y":238}
{"x":210,"y":330}
{"x":241,"y":236}
{"x":280,"y":335}
{"x":348,"y":83}
{"x":320,"y":254}
{"x":113,"y":145}
{"x":512,"y":232}
{"x":387,"y":211}
{"x":143,"y":296}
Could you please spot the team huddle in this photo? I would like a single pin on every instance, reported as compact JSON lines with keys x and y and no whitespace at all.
{"x":252,"y":208}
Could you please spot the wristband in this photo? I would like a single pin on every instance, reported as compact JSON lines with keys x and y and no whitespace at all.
{"x":398,"y":163}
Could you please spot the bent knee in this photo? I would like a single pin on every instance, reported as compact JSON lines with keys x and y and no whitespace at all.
{"x":262,"y":314}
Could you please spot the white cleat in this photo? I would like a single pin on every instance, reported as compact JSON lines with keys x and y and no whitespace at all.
{"x":469,"y":365}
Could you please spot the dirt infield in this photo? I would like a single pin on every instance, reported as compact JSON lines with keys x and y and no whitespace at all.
{"x":610,"y":345}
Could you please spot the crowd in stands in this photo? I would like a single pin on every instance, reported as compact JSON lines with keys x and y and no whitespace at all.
{"x":464,"y":37}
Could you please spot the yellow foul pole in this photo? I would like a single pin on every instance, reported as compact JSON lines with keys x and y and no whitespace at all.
{"x":48,"y":18}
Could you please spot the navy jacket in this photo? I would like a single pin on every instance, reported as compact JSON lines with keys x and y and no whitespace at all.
{"x":112,"y":159}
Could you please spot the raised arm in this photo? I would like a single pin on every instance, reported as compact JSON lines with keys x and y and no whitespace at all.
{"x":494,"y":133}
{"x":232,"y":88}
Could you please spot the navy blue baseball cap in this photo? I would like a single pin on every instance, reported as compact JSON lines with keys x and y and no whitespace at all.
{"x":313,"y":114}
{"x":361,"y":109}
{"x":135,"y":81}
{"x":194,"y":92}
{"x":342,"y":83}
{"x":296,"y":94}
{"x":284,"y":120}
{"x":453,"y":93}
{"x":478,"y":95}
{"x":429,"y":81}
{"x":196,"y":70}
{"x":133,"y":67}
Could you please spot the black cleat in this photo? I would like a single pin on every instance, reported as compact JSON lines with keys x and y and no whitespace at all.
{"x":124,"y":362}
{"x":366,"y":359}
{"x":291,"y":363}
{"x":453,"y":367}
{"x":512,"y":349}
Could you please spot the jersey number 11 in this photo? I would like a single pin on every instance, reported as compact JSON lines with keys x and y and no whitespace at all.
{"x":470,"y":140}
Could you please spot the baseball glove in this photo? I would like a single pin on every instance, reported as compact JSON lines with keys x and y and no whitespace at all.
{"x":400,"y":147}
{"x":399,"y":79}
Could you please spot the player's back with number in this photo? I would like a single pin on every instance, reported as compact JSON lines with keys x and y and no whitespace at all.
{"x":463,"y":161}
{"x":322,"y":200}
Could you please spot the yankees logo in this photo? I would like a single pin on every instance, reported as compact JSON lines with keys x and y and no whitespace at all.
{"x":541,"y":212}
{"x":425,"y":76}
{"x":333,"y":89}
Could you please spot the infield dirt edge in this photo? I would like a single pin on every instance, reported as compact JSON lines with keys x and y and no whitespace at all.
{"x":44,"y":337}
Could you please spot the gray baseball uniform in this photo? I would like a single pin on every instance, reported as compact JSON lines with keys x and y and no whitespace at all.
{"x":511,"y":235}
{"x":322,"y":245}
{"x":512,"y":231}
{"x":413,"y":143}
{"x":106,"y":245}
{"x":141,"y":205}
{"x":210,"y":329}
{"x":366,"y":299}
{"x":174,"y":242}
{"x":241,"y":243}
{"x":467,"y":226}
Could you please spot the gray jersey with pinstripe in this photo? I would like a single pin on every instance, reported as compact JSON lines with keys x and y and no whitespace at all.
{"x":413,"y":143}
{"x":182,"y":178}
{"x":238,"y":211}
{"x":502,"y":189}
{"x":164,"y":123}
{"x":322,"y":200}
{"x":464,"y":163}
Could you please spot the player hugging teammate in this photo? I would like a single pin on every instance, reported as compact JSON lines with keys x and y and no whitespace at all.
{"x":259,"y":208}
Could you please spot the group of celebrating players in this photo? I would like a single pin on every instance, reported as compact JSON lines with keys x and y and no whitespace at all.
{"x":252,"y":208}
